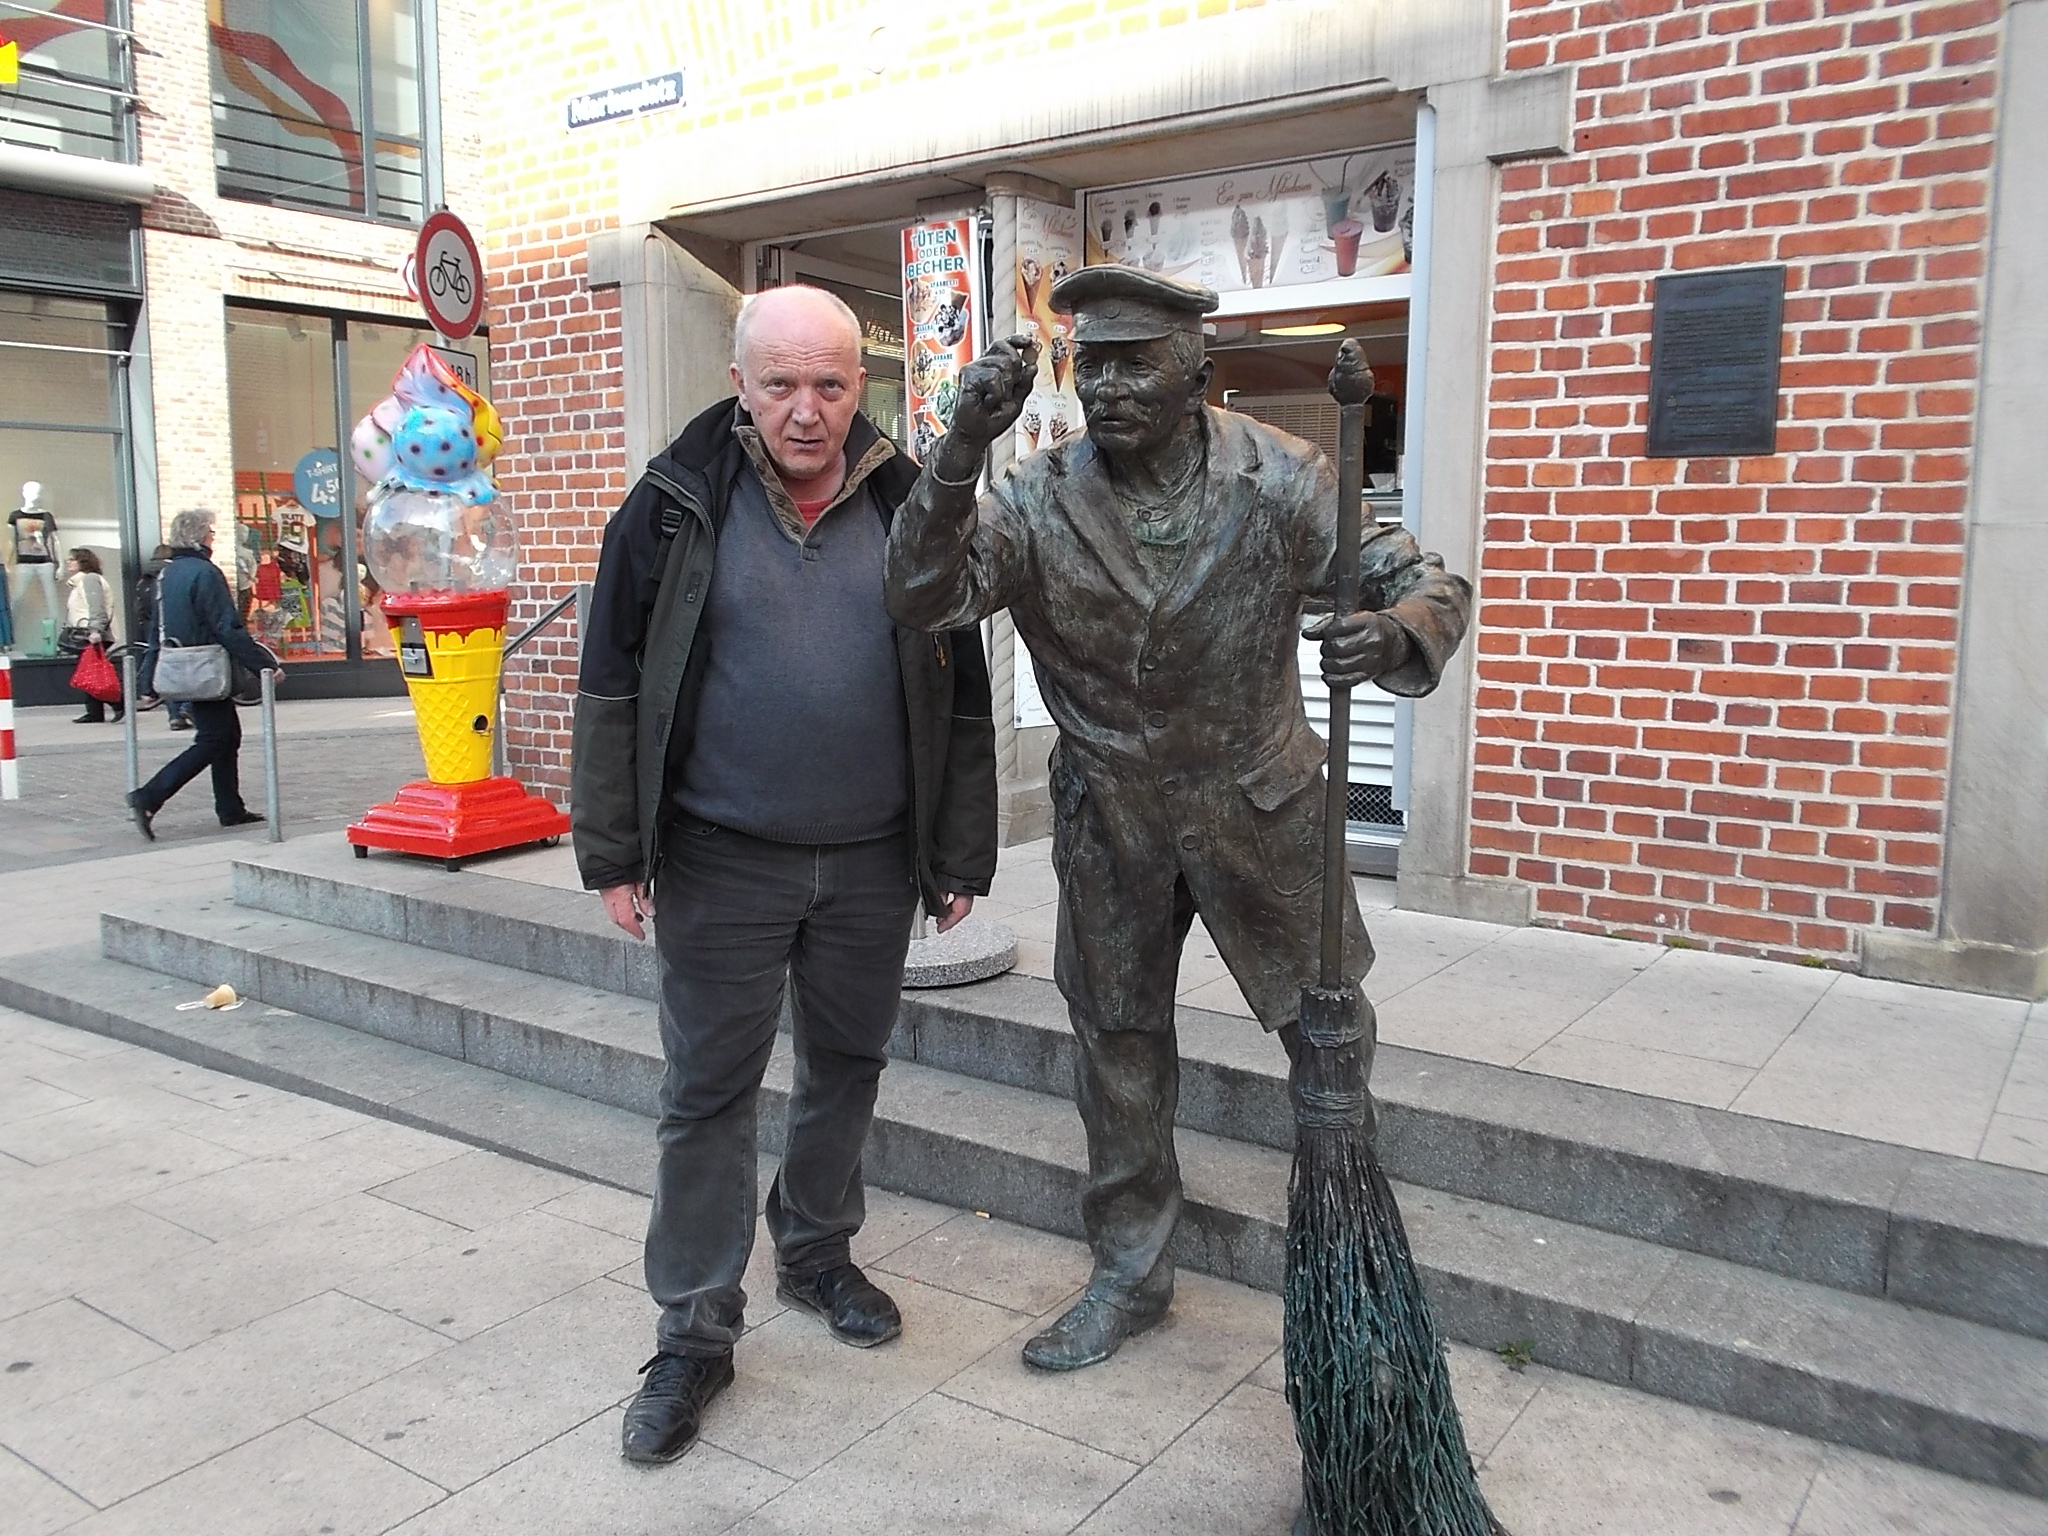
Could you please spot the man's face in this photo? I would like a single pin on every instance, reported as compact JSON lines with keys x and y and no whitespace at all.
{"x":1134,"y":393}
{"x":801,"y":381}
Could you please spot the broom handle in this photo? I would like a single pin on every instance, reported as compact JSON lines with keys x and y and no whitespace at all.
{"x":1350,"y":383}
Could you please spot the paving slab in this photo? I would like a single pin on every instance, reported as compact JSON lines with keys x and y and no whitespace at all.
{"x":578,"y":1483}
{"x":128,"y":1433}
{"x":467,"y":1409}
{"x":941,"y":1467}
{"x":298,"y":1478}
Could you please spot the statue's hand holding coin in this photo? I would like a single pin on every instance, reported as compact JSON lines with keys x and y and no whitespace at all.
{"x":993,"y":389}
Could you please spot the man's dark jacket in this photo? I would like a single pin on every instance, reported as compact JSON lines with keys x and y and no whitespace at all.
{"x":642,"y":673}
{"x":198,"y":609}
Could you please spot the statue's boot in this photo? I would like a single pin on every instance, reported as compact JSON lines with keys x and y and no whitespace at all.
{"x":1095,"y":1327}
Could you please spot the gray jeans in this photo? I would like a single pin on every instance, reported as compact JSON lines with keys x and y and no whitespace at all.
{"x":735,"y":917}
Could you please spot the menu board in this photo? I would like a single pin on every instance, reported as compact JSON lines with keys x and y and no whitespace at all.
{"x":940,"y":330}
{"x":1268,"y":226}
{"x":1048,"y":248}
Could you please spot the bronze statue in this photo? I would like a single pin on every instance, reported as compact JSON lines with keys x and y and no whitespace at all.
{"x":1159,"y":570}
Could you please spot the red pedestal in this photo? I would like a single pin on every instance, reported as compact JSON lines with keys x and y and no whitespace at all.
{"x":453,"y":822}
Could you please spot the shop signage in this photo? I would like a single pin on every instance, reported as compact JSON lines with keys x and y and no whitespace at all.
{"x":316,"y":482}
{"x":1715,"y":341}
{"x":461,"y":364}
{"x":941,"y":324}
{"x":449,"y":275}
{"x":1048,"y":248}
{"x":1267,"y":226}
{"x":615,"y":102}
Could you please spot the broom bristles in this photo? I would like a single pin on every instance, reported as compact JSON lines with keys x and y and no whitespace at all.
{"x":1383,"y":1451}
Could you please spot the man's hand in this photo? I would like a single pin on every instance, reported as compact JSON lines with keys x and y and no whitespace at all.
{"x":956,"y":908}
{"x":1359,"y":647}
{"x":993,"y":389}
{"x":626,"y":905}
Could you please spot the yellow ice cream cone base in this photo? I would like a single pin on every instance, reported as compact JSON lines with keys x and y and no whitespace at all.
{"x":453,"y":680}
{"x":451,"y":647}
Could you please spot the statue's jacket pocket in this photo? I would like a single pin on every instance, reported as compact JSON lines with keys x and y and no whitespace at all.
{"x":1284,"y":807}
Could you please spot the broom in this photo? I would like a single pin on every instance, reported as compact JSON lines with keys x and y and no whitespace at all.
{"x":1382,"y":1449}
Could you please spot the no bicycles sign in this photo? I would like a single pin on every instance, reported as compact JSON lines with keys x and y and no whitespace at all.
{"x":450,"y":275}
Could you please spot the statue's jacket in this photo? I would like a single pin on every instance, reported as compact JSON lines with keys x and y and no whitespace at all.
{"x":1180,"y":711}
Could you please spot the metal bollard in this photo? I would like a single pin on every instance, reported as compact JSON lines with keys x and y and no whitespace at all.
{"x":128,"y":721}
{"x":270,"y":796}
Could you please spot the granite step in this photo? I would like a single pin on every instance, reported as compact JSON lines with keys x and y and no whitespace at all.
{"x":1945,"y":1233}
{"x":540,"y":1068}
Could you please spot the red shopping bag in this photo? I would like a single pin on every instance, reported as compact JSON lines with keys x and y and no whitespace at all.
{"x":95,"y":677}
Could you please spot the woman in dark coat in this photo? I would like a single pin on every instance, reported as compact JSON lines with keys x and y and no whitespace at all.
{"x":197,"y":608}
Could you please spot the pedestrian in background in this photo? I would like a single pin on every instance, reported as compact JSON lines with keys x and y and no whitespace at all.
{"x":178,"y":710}
{"x":195,"y":607}
{"x":89,"y":613}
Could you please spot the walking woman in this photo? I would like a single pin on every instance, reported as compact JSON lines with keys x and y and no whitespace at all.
{"x":89,"y":606}
{"x":195,"y":607}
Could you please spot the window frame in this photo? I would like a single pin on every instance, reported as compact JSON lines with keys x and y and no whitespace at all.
{"x":123,"y":140}
{"x":426,"y":40}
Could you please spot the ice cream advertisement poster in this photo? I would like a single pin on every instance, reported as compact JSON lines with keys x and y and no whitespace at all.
{"x":1048,"y":248}
{"x":940,"y":329}
{"x":1267,"y":226}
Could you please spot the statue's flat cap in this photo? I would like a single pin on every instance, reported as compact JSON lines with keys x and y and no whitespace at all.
{"x":1129,"y":304}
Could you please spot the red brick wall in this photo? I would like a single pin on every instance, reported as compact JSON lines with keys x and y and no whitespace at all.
{"x":1714,"y":695}
{"x":555,"y":345}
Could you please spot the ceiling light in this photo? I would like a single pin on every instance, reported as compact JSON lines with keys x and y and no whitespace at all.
{"x":1313,"y":328}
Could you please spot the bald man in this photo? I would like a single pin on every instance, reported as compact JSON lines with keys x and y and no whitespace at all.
{"x":768,"y":762}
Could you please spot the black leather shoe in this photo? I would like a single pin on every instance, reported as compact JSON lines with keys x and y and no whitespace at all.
{"x":1093,"y":1329}
{"x":661,"y":1421}
{"x":245,"y":819}
{"x":142,"y":814}
{"x":181,"y":723}
{"x":855,"y":1309}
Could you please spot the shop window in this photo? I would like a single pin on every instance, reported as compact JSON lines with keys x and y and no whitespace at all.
{"x":297,"y":384}
{"x":76,"y":93}
{"x":322,"y":104}
{"x":63,"y":457}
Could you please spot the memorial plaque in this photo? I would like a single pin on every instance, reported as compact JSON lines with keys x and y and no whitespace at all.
{"x":1714,"y":345}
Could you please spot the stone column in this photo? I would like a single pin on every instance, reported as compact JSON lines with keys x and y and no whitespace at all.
{"x":1994,"y":893}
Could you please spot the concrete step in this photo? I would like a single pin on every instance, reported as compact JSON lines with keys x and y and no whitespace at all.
{"x":1944,"y":1233}
{"x":1863,"y":1371}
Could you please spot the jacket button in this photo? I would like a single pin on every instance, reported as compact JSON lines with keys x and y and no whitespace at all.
{"x":1188,"y":840}
{"x":1151,"y":663}
{"x":1168,"y":786}
{"x":1156,"y":720}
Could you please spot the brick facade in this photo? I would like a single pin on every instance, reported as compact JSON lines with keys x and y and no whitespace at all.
{"x":1715,"y":695}
{"x":555,"y":344}
{"x":200,"y":249}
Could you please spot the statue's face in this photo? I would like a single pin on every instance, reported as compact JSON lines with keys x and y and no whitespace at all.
{"x":1134,"y":393}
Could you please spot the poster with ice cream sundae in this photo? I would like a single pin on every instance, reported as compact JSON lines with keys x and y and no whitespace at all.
{"x":941,"y":325}
{"x":1266,"y":226}
{"x":1048,"y":248}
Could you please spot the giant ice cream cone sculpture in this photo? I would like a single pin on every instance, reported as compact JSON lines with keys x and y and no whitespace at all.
{"x":441,"y":545}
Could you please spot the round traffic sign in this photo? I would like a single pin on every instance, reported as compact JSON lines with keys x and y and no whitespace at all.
{"x":450,"y":275}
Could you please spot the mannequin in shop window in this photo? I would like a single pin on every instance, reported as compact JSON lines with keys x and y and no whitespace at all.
{"x":35,"y":565}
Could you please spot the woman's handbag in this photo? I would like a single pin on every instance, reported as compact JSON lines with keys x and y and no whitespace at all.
{"x":190,"y":674}
{"x":95,"y":677}
{"x":75,"y":639}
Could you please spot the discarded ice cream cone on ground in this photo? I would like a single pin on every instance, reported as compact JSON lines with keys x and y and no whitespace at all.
{"x":219,"y":999}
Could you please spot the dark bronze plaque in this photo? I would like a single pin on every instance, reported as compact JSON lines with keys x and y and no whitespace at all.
{"x":1715,"y":338}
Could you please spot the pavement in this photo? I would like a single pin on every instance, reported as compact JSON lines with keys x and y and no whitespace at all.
{"x":227,"y":1309}
{"x":336,"y":757}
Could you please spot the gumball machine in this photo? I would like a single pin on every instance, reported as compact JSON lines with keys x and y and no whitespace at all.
{"x":444,"y":549}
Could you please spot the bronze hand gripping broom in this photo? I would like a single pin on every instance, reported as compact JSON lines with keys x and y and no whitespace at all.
{"x":1382,"y":1450}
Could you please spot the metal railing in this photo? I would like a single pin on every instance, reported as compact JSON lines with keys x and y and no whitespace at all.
{"x":577,"y":598}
